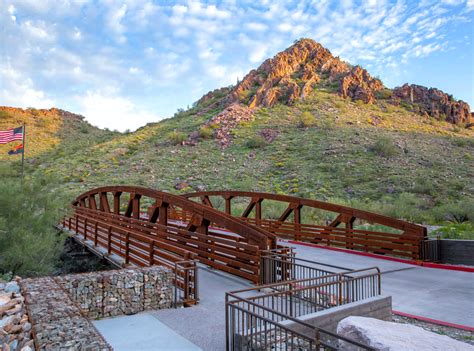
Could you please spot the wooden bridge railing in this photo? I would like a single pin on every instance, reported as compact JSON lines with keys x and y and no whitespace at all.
{"x":135,"y":212}
{"x":135,"y":248}
{"x":408,"y":243}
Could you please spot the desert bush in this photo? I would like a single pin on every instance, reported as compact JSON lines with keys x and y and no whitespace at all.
{"x":461,"y":142}
{"x":384,"y":94}
{"x":29,"y":243}
{"x":306,"y":119}
{"x":84,"y":129}
{"x":176,"y":137}
{"x":460,"y":231}
{"x":206,"y":132}
{"x":385,"y":146}
{"x":457,"y":212}
{"x":256,"y":142}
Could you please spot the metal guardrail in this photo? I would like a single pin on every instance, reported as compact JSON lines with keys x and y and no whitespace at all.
{"x":266,"y":317}
{"x":281,"y":264}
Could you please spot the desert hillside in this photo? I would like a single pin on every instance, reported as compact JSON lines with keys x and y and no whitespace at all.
{"x":303,"y":123}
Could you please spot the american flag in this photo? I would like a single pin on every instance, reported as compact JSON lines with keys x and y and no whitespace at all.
{"x":10,"y":135}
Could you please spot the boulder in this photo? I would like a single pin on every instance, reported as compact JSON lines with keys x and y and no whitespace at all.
{"x":12,"y":287}
{"x":390,"y":336}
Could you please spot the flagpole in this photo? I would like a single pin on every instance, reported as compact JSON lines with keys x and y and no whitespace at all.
{"x":23,"y":153}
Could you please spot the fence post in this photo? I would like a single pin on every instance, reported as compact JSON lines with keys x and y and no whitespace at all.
{"x":85,"y":229}
{"x":109,"y":240}
{"x":127,"y":246}
{"x":95,"y":233}
{"x":339,"y":283}
{"x":151,"y":258}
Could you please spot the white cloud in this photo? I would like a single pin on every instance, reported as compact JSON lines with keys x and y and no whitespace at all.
{"x":469,"y":5}
{"x":19,"y":91}
{"x":256,"y":27}
{"x":285,"y":27}
{"x":38,"y":30}
{"x":258,"y":53}
{"x":114,"y":22}
{"x":12,"y":11}
{"x":112,"y":111}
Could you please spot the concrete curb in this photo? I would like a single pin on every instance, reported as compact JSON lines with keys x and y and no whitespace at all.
{"x":434,"y":321}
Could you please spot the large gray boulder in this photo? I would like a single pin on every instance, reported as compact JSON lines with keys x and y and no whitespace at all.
{"x":390,"y":336}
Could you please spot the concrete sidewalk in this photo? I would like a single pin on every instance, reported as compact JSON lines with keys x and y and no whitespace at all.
{"x":428,"y":292}
{"x":204,"y":324}
{"x":141,"y":332}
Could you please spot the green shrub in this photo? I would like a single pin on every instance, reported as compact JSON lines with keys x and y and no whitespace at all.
{"x":306,"y":119}
{"x":176,"y":137}
{"x":461,"y":231}
{"x":29,"y":243}
{"x":385,"y":146}
{"x":458,"y":212}
{"x":461,"y":142}
{"x":206,"y":132}
{"x":383,"y":94}
{"x":256,"y":142}
{"x":84,"y":129}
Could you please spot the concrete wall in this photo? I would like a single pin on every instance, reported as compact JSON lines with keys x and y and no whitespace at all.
{"x":117,"y":292}
{"x":379,"y":307}
{"x":457,"y":251}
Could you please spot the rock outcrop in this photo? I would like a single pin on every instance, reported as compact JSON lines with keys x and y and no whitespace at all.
{"x":359,"y":85}
{"x":383,"y":335}
{"x":292,"y":74}
{"x":227,"y":120}
{"x":434,"y":102}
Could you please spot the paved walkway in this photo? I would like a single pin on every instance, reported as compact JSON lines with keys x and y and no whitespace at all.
{"x":141,"y":332}
{"x":428,"y":292}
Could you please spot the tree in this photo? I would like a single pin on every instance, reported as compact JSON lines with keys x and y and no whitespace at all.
{"x":29,"y":243}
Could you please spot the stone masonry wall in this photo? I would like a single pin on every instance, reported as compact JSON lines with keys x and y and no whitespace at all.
{"x":117,"y":292}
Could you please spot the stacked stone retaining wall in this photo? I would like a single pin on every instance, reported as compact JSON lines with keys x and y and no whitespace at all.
{"x":57,"y":323}
{"x":117,"y":292}
{"x":59,"y":308}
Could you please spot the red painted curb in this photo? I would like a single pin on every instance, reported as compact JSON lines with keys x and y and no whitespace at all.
{"x":434,"y":321}
{"x":394,"y":259}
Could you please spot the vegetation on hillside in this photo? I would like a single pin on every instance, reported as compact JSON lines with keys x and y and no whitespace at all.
{"x":377,"y":157}
{"x":29,"y":243}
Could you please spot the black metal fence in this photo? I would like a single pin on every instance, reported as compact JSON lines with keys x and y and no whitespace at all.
{"x":266,"y":317}
{"x":281,"y":265}
{"x":430,"y":249}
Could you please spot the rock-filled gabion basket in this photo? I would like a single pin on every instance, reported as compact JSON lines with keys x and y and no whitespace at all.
{"x":15,"y":327}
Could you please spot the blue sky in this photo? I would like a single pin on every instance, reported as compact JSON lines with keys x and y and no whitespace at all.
{"x":125,"y":63}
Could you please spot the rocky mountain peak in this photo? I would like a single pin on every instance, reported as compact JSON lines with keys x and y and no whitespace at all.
{"x":294,"y":72}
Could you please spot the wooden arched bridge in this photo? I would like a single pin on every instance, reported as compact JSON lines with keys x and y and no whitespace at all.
{"x":226,"y":230}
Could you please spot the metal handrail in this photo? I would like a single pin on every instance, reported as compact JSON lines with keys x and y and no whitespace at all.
{"x":286,"y":317}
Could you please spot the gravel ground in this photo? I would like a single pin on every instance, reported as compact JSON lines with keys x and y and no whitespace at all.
{"x":455,"y":333}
